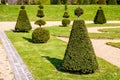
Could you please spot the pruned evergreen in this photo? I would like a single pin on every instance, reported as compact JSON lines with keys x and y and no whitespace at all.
{"x":78,"y":12}
{"x":100,"y":17}
{"x":40,"y":14}
{"x":79,"y":55}
{"x":40,"y":35}
{"x":65,"y":20}
{"x":23,"y":23}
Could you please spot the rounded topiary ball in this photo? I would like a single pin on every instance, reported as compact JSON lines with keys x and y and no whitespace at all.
{"x":22,"y":7}
{"x":78,"y":11}
{"x":40,"y":35}
{"x":65,"y":22}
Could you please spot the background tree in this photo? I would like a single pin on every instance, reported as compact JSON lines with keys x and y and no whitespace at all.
{"x":112,"y":2}
{"x":79,"y":55}
{"x":101,"y":2}
{"x":80,"y":2}
{"x":86,"y":2}
{"x":93,"y":1}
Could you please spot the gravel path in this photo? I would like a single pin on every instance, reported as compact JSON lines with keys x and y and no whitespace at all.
{"x":5,"y":69}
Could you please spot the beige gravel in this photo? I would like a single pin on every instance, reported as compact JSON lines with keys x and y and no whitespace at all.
{"x":5,"y":69}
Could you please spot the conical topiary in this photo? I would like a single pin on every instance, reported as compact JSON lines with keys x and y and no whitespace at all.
{"x":66,"y":20}
{"x":79,"y":56}
{"x":22,"y":24}
{"x":100,"y":17}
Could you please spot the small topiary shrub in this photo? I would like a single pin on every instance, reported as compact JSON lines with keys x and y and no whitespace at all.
{"x":65,"y":22}
{"x":79,"y":55}
{"x":40,"y":35}
{"x":40,"y":22}
{"x":66,"y":15}
{"x":100,"y":17}
{"x":23,"y":23}
{"x":40,"y":13}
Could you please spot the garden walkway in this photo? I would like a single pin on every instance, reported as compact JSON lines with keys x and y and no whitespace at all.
{"x":111,"y":54}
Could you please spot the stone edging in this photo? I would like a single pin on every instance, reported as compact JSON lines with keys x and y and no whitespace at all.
{"x":20,"y":70}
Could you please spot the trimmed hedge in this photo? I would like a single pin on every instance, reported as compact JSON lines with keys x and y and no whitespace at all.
{"x":23,"y":23}
{"x":79,"y":55}
{"x":40,"y":35}
{"x":100,"y":17}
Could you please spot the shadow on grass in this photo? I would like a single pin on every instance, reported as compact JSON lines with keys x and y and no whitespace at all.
{"x":28,"y":39}
{"x":56,"y":62}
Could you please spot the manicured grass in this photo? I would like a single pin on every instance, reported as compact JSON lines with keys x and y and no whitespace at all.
{"x":114,"y":44}
{"x":103,"y":25}
{"x":110,"y":30}
{"x":55,"y":12}
{"x":65,"y":31}
{"x":42,"y":59}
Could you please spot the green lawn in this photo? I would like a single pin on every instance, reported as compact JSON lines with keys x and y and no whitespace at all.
{"x":55,"y":12}
{"x":42,"y":59}
{"x":110,"y":30}
{"x":114,"y":44}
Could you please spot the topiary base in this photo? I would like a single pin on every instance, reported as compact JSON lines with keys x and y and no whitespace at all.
{"x":79,"y":56}
{"x":40,"y":35}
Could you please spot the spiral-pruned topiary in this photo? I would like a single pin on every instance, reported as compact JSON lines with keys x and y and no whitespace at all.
{"x":99,"y":17}
{"x":78,"y":12}
{"x":40,"y":35}
{"x":79,"y":55}
{"x":40,"y":14}
{"x":66,"y":20}
{"x":23,"y":23}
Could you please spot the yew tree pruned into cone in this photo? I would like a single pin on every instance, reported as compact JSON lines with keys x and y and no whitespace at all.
{"x":100,"y":17}
{"x":23,"y":23}
{"x":79,"y":55}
